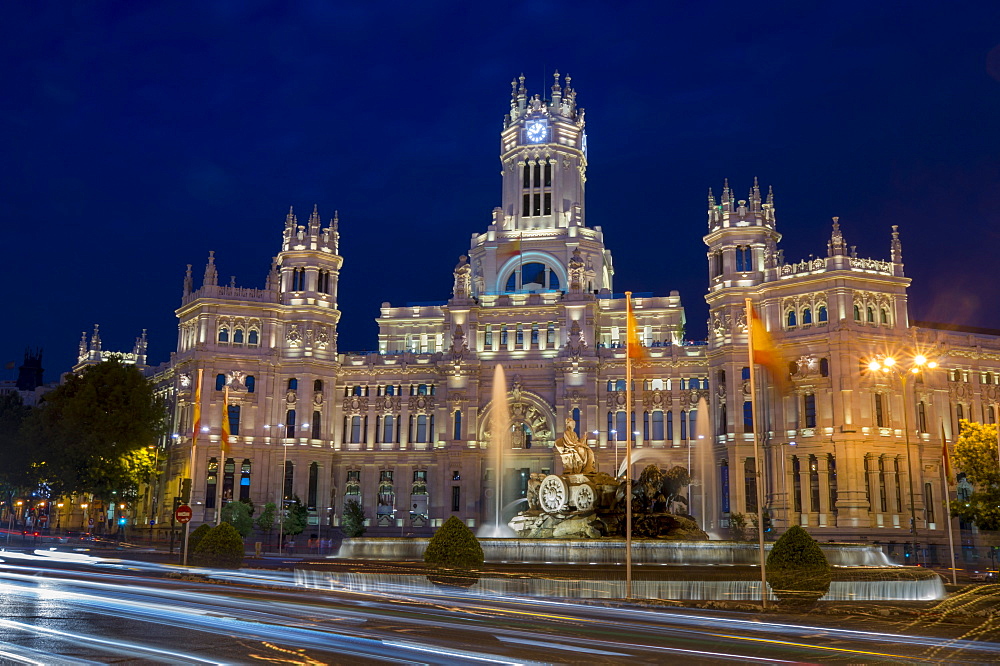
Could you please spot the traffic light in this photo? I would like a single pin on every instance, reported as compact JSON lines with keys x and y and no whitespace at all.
{"x":122,"y":520}
{"x":767,"y":521}
{"x":185,"y":490}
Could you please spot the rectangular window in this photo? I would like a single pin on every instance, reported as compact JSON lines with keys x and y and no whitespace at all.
{"x":548,"y":175}
{"x":750,"y":484}
{"x":526,"y":205}
{"x":747,"y":416}
{"x":879,"y":411}
{"x":527,"y":176}
{"x":796,"y":485}
{"x":534,"y":335}
{"x":538,"y":175}
{"x":547,"y":208}
{"x":456,"y":498}
{"x":234,"y":419}
{"x":810,"y":410}
{"x":537,"y":200}
{"x":488,"y":337}
{"x":550,"y":334}
{"x":657,"y":425}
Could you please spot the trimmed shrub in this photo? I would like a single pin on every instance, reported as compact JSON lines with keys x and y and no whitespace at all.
{"x":195,"y":537}
{"x":222,"y":548}
{"x":797,"y":569}
{"x":352,"y":523}
{"x":454,"y":546}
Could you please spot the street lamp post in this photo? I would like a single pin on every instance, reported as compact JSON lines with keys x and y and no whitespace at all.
{"x":888,"y":365}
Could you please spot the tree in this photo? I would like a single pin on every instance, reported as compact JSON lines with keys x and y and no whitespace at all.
{"x":237,"y":514}
{"x":797,"y":569}
{"x":454,"y":546}
{"x":265,"y":521}
{"x":221,"y":547}
{"x":296,"y":517}
{"x":353,"y":521}
{"x":17,"y":474}
{"x":976,"y":456}
{"x":92,"y":433}
{"x":194,"y":538}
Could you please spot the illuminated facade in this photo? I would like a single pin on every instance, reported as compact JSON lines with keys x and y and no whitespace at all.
{"x":404,"y":430}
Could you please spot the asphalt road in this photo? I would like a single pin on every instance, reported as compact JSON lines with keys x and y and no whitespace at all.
{"x":98,"y":611}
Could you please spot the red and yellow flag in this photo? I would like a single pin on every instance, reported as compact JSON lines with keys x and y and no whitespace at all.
{"x":945,"y":458}
{"x":226,"y":432}
{"x":196,"y":413}
{"x":766,"y":354}
{"x":635,"y":350}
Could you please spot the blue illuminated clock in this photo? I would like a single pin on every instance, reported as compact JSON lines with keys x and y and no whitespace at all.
{"x":536,"y":131}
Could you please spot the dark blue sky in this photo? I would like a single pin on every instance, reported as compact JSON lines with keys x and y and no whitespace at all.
{"x":138,"y":136}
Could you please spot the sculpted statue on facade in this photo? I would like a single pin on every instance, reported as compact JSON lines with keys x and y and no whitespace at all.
{"x":463,"y":278}
{"x":577,"y":457}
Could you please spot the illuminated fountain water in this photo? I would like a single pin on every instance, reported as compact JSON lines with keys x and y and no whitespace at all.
{"x":499,"y":442}
{"x":705,"y":487}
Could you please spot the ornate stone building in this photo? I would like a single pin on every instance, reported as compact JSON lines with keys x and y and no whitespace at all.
{"x":405,"y":430}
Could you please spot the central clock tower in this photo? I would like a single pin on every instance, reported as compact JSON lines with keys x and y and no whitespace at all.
{"x":543,"y":148}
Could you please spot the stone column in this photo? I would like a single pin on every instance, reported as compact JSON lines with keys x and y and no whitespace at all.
{"x":806,"y":488}
{"x":823,"y":469}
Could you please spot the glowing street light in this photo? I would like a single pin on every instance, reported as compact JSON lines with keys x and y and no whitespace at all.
{"x":888,"y":365}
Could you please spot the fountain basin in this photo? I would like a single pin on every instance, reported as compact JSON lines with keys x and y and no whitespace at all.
{"x":606,"y":551}
{"x":927,"y":588}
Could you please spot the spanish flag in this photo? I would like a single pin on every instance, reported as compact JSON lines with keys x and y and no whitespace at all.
{"x":196,"y":412}
{"x":635,"y":350}
{"x":511,"y":250}
{"x":226,"y":431}
{"x":765,"y":353}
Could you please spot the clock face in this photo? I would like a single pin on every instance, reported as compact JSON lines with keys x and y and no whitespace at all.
{"x":536,"y":132}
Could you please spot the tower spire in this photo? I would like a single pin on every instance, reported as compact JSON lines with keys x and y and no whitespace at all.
{"x":188,"y":281}
{"x":755,"y":195}
{"x":211,"y":274}
{"x":897,"y":247}
{"x":836,"y":246}
{"x":770,"y":196}
{"x":711,"y":199}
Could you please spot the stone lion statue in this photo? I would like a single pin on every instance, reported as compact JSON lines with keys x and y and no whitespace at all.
{"x":577,"y":457}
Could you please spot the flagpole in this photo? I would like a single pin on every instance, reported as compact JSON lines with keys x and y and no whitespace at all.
{"x":223,"y":440}
{"x":946,"y":491}
{"x":196,"y":414}
{"x":756,"y":455}
{"x":628,"y":445}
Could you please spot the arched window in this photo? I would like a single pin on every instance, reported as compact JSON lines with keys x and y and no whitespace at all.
{"x":317,"y":427}
{"x":657,"y":425}
{"x":289,"y":485}
{"x":251,"y":383}
{"x":211,"y":482}
{"x":220,"y":382}
{"x":824,"y":367}
{"x":790,"y":319}
{"x":421,"y":434}
{"x":224,"y":334}
{"x":621,"y":426}
{"x":871,"y":314}
{"x":313,"y":486}
{"x":821,"y":314}
{"x":228,"y":480}
{"x":355,"y":430}
{"x":807,"y":316}
{"x":885,"y":316}
{"x":233,"y":413}
{"x":238,"y":336}
{"x":620,"y":385}
{"x":293,"y":384}
{"x":245,"y":480}
{"x":857,"y":313}
{"x":670,"y":426}
{"x":290,"y":422}
{"x":532,"y":277}
{"x":318,"y":385}
{"x":457,"y":424}
{"x":684,"y":422}
{"x":253,"y":338}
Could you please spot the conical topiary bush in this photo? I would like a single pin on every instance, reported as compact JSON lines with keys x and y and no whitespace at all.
{"x":222,"y":547}
{"x":797,"y":569}
{"x":454,"y":551}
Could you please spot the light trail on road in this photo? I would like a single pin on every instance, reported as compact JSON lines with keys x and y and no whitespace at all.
{"x":97,"y":611}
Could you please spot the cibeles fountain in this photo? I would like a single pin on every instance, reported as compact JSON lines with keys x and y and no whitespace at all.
{"x":584,"y":502}
{"x":577,"y":516}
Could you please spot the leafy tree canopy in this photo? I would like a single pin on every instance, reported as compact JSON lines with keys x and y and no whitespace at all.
{"x":352,"y":523}
{"x":976,"y":456}
{"x":17,"y":472}
{"x":92,"y":434}
{"x":265,"y":521}
{"x":237,"y":514}
{"x":296,"y":516}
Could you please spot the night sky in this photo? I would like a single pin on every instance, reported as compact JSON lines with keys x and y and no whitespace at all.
{"x":137,"y":136}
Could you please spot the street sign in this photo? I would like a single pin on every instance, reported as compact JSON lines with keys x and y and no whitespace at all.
{"x":183,"y":514}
